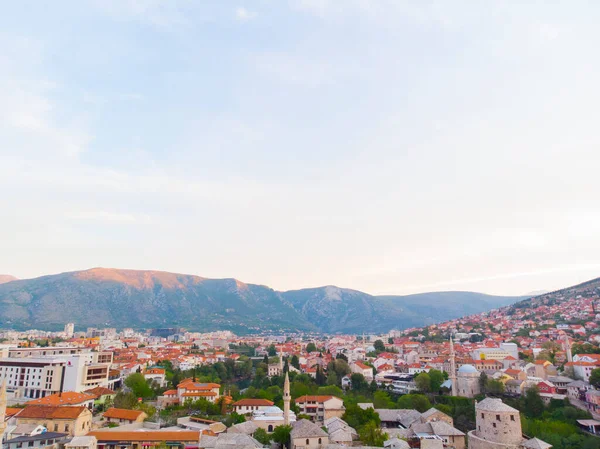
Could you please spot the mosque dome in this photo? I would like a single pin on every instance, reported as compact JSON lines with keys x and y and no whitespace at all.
{"x":467,"y":369}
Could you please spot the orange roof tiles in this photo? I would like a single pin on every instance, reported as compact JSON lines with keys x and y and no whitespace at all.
{"x":121,"y":413}
{"x":50,"y":412}
{"x":65,"y":398}
{"x":145,"y":435}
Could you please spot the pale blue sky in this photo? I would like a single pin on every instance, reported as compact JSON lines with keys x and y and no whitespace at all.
{"x":389,"y":146}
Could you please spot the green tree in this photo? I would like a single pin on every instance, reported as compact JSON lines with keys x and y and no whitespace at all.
{"x":281,"y":434}
{"x":382,"y":400}
{"x":595,"y":378}
{"x":494,"y":386}
{"x":358,"y":382}
{"x":295,"y":362}
{"x":311,"y":347}
{"x":418,"y":402}
{"x":371,"y":435}
{"x":533,"y":405}
{"x":356,"y":417}
{"x":330,"y":390}
{"x":320,"y":378}
{"x":139,"y":386}
{"x":272,"y":351}
{"x":437,"y":379}
{"x":341,"y":356}
{"x":125,"y":400}
{"x":423,"y":382}
{"x":379,"y":346}
{"x":262,"y":436}
{"x":332,"y":378}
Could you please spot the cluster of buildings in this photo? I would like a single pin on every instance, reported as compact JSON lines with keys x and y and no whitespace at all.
{"x":51,"y":392}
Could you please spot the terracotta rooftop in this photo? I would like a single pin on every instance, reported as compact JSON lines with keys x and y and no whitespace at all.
{"x":145,"y":435}
{"x":66,"y":398}
{"x":121,"y":413}
{"x":51,"y":412}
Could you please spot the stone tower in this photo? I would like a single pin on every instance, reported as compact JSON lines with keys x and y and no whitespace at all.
{"x":286,"y":400}
{"x":452,"y":375}
{"x":568,"y":349}
{"x":2,"y":409}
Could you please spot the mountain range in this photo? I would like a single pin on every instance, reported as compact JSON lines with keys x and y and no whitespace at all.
{"x":107,"y":297}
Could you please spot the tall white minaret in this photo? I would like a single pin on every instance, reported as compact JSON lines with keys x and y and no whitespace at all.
{"x":2,"y":410}
{"x":452,"y":374}
{"x":568,"y":349}
{"x":286,"y":400}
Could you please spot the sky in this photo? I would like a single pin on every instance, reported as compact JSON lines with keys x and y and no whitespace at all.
{"x":389,"y":146}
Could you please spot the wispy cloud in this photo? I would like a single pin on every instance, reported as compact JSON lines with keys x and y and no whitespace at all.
{"x":244,"y":15}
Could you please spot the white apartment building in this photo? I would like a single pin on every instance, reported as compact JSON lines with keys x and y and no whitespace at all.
{"x":38,"y":377}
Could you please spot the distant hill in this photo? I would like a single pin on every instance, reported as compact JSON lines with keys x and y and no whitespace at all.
{"x":141,"y":299}
{"x":4,"y":278}
{"x":589,"y":288}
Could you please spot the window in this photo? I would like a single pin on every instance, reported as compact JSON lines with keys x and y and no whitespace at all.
{"x":56,"y":427}
{"x":270,"y":428}
{"x":66,"y":427}
{"x":512,"y":417}
{"x":494,"y":424}
{"x":30,"y":444}
{"x":307,"y":442}
{"x":319,"y":440}
{"x":497,"y":417}
{"x":482,"y":416}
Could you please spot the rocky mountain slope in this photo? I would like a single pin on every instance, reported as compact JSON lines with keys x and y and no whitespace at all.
{"x":132,"y":298}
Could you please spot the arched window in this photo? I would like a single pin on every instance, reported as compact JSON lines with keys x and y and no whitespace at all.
{"x":319,"y":440}
{"x":270,"y":428}
{"x":307,"y":442}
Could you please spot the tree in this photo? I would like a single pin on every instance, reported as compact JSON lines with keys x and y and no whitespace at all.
{"x":332,"y":378}
{"x":382,"y":400}
{"x":320,"y":378}
{"x":371,"y":435}
{"x":494,"y":386}
{"x":272,"y":351}
{"x":330,"y":390}
{"x":311,"y":347}
{"x":358,"y":382}
{"x":138,"y":385}
{"x":281,"y":434}
{"x":483,"y":378}
{"x":423,"y":382}
{"x":437,"y":379}
{"x":125,"y":400}
{"x":390,"y":341}
{"x":341,"y":356}
{"x":356,"y":417}
{"x":379,"y":346}
{"x":262,"y":436}
{"x":533,"y":405}
{"x":295,"y":362}
{"x":595,"y":378}
{"x":418,"y":402}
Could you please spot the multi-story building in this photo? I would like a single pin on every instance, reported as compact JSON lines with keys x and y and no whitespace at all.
{"x":321,"y":408}
{"x":37,"y":377}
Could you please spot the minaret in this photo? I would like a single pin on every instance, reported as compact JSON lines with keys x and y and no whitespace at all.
{"x":452,"y":375}
{"x":280,"y":363}
{"x":286,"y":400}
{"x":568,"y":349}
{"x":2,"y":409}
